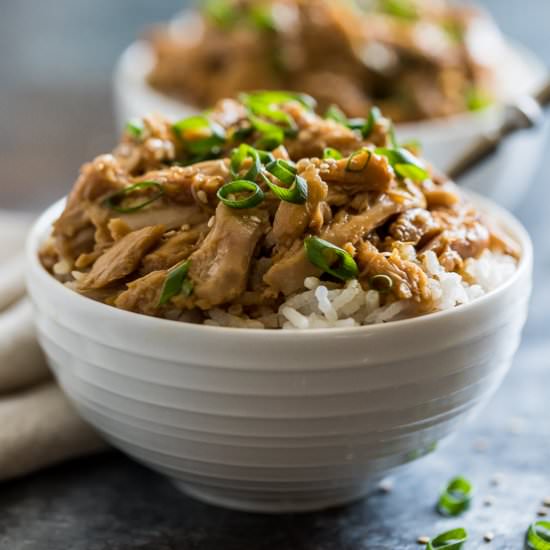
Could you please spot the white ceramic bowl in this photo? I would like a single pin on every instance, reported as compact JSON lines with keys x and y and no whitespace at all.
{"x":443,"y":140}
{"x":277,"y":421}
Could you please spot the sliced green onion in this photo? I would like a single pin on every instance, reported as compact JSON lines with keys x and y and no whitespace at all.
{"x":477,"y":99}
{"x":358,"y":161}
{"x":244,"y":151}
{"x":330,"y":258}
{"x":203,"y":137}
{"x":241,"y":186}
{"x":220,"y":12}
{"x":374,"y":116}
{"x":451,"y":540}
{"x":113,"y":200}
{"x":271,"y":135}
{"x":413,"y":145}
{"x":404,"y":9}
{"x":263,"y":105}
{"x":277,"y":97}
{"x":175,"y":282}
{"x":404,"y":163}
{"x":538,"y":536}
{"x":356,"y":123}
{"x":135,"y":128}
{"x":456,"y":498}
{"x":262,"y":18}
{"x":393,"y":137}
{"x":297,"y":189}
{"x":330,"y":153}
{"x":335,"y":113}
{"x":381,"y":283}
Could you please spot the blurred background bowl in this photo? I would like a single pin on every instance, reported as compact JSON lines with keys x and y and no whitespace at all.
{"x":277,"y":421}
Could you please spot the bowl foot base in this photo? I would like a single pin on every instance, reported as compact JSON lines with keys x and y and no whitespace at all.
{"x":274,"y":503}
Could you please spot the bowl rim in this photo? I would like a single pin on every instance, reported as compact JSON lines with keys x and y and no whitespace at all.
{"x":42,"y":227}
{"x":127,"y":69}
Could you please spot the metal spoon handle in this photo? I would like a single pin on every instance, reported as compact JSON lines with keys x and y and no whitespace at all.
{"x":526,"y":112}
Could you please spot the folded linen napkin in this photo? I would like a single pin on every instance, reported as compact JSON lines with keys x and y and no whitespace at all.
{"x":38,"y":426}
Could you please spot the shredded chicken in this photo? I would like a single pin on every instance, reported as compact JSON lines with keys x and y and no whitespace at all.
{"x":173,"y":237}
{"x":416,"y":59}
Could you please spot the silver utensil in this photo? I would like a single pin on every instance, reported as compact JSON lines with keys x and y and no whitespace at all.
{"x":526,"y":112}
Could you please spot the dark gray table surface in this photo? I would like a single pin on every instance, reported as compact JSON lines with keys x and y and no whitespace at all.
{"x":54,"y":112}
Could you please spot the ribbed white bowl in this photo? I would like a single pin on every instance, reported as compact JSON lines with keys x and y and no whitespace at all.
{"x":443,"y":140}
{"x":277,"y":420}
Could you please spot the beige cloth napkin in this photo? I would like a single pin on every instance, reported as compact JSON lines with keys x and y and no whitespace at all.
{"x":38,"y":426}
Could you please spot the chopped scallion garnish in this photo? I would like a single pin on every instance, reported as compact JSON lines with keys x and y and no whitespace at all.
{"x":241,"y":186}
{"x":404,"y":9}
{"x":278,"y":97}
{"x":203,"y":138}
{"x":477,"y":99}
{"x":374,"y":116}
{"x":176,"y":283}
{"x":296,"y":190}
{"x":113,"y":201}
{"x":135,"y":128}
{"x":456,"y":498}
{"x":331,"y":259}
{"x":220,"y":12}
{"x":404,"y":163}
{"x":330,"y":153}
{"x":358,"y":161}
{"x":335,"y":113}
{"x":381,"y":283}
{"x":258,"y":157}
{"x":538,"y":536}
{"x":451,"y":540}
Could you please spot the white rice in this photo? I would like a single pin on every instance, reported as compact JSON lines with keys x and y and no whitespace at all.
{"x":324,"y":307}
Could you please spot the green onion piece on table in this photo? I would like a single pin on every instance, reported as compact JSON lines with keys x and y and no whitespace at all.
{"x":255,"y":194}
{"x":456,"y":498}
{"x":451,"y":540}
{"x":538,"y":536}
{"x":114,"y":200}
{"x":176,"y":283}
{"x":331,"y":259}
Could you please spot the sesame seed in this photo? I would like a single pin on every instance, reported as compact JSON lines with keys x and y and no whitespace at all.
{"x":542,"y":512}
{"x":497,"y":480}
{"x":62,"y":268}
{"x":255,"y":219}
{"x":185,"y":227}
{"x":423,"y":539}
{"x":211,"y":221}
{"x":386,"y":485}
{"x":201,"y":195}
{"x":481,"y":444}
{"x":489,"y":536}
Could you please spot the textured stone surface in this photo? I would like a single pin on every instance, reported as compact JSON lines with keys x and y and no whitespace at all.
{"x":111,"y":503}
